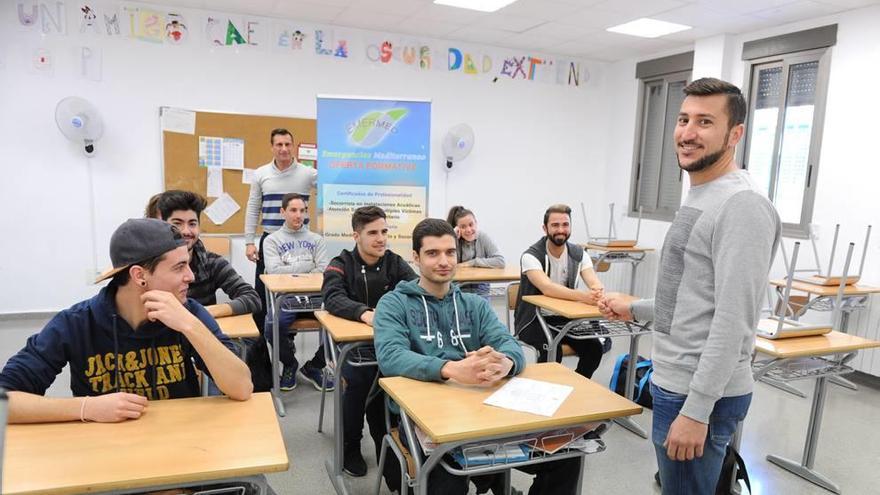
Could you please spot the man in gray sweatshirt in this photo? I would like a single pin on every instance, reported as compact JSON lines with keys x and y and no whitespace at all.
{"x":295,"y":249}
{"x":712,"y":274}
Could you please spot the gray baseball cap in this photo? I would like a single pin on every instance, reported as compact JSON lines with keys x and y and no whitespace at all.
{"x":139,"y":239}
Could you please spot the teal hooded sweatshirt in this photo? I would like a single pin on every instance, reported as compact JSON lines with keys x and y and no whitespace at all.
{"x":411,"y":344}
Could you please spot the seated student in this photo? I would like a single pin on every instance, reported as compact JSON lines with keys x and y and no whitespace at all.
{"x":427,"y":329}
{"x":183,"y":209}
{"x":135,"y":340}
{"x":295,"y":249}
{"x":551,"y":267}
{"x":475,"y":247}
{"x":353,"y":283}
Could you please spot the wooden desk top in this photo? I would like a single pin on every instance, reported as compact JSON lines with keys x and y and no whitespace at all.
{"x":833,"y":342}
{"x":570,"y":309}
{"x":634,"y":249}
{"x":450,"y":412}
{"x":472,"y":274}
{"x":306,"y":283}
{"x":175,"y":441}
{"x":342,"y":330}
{"x":238,"y":326}
{"x":826,"y":290}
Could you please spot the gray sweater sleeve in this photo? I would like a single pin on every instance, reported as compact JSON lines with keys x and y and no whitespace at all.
{"x":743,"y":244}
{"x":321,"y":258}
{"x":487,"y":255}
{"x":642,"y":310}
{"x":272,"y":258}
{"x":252,"y":213}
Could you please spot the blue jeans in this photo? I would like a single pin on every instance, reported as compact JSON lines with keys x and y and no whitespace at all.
{"x":699,"y":476}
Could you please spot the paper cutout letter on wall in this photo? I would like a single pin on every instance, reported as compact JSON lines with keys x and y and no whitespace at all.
{"x":111,"y":22}
{"x":469,"y":67}
{"x":454,"y":59}
{"x":341,"y":49}
{"x":425,"y":57}
{"x":320,"y":49}
{"x":91,"y":63}
{"x":89,"y":20}
{"x":27,"y":18}
{"x":175,"y":30}
{"x":386,"y":52}
{"x":232,"y":35}
{"x":409,"y":55}
{"x":57,"y":20}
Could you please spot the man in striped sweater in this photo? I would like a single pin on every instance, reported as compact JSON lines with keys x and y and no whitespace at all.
{"x":270,"y":183}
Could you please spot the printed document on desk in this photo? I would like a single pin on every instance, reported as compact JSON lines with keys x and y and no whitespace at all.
{"x":531,"y":396}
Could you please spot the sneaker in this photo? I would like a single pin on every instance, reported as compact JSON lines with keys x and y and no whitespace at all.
{"x":313,"y":376}
{"x":288,"y":378}
{"x":353,"y":462}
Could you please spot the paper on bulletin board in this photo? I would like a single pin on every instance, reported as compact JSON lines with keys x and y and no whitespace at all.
{"x":247,"y":175}
{"x":232,"y":154}
{"x":222,"y":209}
{"x":210,"y":151}
{"x":215,"y":182}
{"x":178,"y":120}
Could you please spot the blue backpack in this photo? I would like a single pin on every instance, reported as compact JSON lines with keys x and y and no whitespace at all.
{"x":642,"y":385}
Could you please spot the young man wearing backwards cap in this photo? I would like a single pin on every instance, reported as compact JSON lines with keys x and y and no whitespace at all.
{"x":135,"y":340}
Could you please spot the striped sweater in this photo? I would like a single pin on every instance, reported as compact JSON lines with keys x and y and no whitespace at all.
{"x":268,"y":187}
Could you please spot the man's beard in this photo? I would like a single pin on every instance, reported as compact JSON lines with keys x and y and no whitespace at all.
{"x":559,"y":243}
{"x":705,"y":162}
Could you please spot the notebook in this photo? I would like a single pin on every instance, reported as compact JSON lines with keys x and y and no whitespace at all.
{"x":614,"y":243}
{"x":828,"y":281}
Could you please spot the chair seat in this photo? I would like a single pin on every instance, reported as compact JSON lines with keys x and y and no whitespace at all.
{"x":305,"y":325}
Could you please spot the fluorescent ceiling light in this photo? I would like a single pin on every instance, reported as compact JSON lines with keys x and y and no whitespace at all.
{"x":648,"y":28}
{"x":481,"y":5}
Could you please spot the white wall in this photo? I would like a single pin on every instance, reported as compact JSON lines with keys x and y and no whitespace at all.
{"x":849,"y":171}
{"x":535,"y":144}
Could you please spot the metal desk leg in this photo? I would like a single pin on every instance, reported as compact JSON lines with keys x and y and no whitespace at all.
{"x":783,"y":386}
{"x":844,"y":327}
{"x":276,"y":356}
{"x":804,"y":469}
{"x":551,"y":342}
{"x":632,"y":276}
{"x":626,"y":421}
{"x":334,"y":463}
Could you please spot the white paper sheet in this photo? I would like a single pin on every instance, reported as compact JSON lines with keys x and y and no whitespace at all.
{"x":215,"y":182}
{"x":531,"y":396}
{"x":247,"y":175}
{"x":222,"y":209}
{"x":177,"y":120}
{"x":233,"y":153}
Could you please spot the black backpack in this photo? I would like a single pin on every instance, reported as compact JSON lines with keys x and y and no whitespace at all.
{"x":732,"y":461}
{"x":642,"y":383}
{"x":257,"y":358}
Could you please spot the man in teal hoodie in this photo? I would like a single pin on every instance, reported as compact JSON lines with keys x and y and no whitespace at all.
{"x":427,"y":329}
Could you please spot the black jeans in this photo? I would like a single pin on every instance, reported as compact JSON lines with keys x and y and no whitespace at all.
{"x":551,"y":478}
{"x":589,"y":351}
{"x":358,"y":381}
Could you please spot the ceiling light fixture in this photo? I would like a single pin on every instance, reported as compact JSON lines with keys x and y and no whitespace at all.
{"x":648,"y":28}
{"x":480,"y":5}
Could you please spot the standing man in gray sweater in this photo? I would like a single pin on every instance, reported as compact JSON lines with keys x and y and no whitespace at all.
{"x":270,"y":183}
{"x":712,"y":274}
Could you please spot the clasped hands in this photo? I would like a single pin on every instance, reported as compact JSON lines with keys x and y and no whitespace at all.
{"x":483,"y":367}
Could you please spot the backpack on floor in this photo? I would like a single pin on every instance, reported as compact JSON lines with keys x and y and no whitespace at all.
{"x":642,"y":383}
{"x":732,"y":460}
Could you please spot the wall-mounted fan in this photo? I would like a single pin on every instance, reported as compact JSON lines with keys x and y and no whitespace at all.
{"x":80,"y":122}
{"x":457,"y":144}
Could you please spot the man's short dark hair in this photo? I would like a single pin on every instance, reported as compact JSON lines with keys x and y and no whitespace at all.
{"x":430,"y":227}
{"x":279,"y":132}
{"x":150,"y":264}
{"x":364,"y":215}
{"x":557,"y":208}
{"x":292,"y":196}
{"x":736,"y":103}
{"x":177,"y":200}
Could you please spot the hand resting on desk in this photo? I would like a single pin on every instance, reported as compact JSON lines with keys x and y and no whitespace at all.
{"x":483,"y":367}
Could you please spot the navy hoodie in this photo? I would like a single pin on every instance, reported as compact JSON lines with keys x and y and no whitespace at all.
{"x":106,"y":355}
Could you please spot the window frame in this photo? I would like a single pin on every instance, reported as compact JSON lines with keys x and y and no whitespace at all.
{"x":636,"y":182}
{"x":822,"y":55}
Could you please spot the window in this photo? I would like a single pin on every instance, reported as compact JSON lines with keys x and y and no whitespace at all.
{"x":784,"y":127}
{"x":656,"y":185}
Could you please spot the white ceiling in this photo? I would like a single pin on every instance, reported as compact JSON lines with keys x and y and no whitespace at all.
{"x":562,"y":27}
